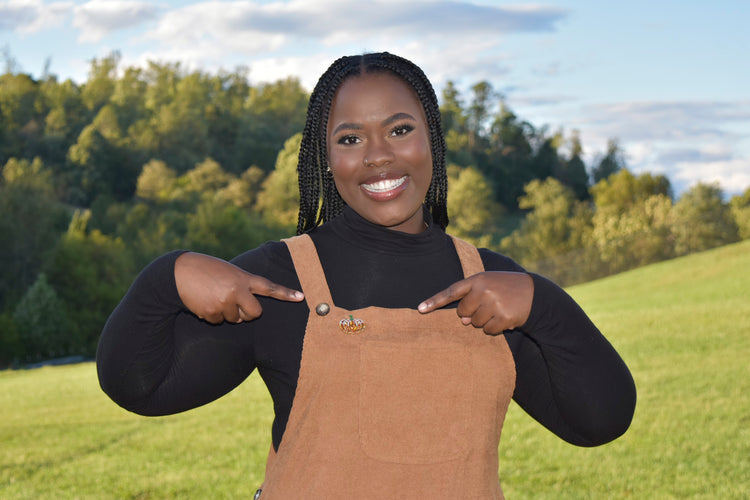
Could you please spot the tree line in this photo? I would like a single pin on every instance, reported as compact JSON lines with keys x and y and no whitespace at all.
{"x":99,"y":178}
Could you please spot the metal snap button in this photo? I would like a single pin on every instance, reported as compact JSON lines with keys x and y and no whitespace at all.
{"x":322,"y":309}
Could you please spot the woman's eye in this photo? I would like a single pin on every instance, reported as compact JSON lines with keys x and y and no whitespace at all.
{"x":347,"y":140}
{"x":401,"y":130}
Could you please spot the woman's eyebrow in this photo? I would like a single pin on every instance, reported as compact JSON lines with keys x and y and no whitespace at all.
{"x":346,"y":126}
{"x":391,"y":119}
{"x":396,"y":117}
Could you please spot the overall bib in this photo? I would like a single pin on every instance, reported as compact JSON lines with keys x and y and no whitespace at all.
{"x":391,"y":403}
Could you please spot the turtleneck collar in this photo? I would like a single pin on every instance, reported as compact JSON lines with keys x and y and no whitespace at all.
{"x":356,"y":230}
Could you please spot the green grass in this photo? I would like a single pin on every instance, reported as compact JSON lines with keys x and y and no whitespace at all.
{"x":61,"y":438}
{"x":683,"y":327}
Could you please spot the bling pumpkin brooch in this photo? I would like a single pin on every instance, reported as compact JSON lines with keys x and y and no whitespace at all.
{"x":351,"y":325}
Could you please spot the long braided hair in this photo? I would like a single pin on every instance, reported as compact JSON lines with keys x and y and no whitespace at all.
{"x":319,"y":199}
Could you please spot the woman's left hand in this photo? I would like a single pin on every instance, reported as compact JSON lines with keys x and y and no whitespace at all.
{"x":493,"y":300}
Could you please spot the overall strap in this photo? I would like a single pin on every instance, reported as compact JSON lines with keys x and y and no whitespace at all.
{"x":471,"y":262}
{"x":309,"y":270}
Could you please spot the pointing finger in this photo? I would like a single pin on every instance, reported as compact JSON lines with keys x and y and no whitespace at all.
{"x":456,"y":291}
{"x":262,"y":286}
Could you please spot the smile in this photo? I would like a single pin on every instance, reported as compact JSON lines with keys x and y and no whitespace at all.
{"x":384,"y":185}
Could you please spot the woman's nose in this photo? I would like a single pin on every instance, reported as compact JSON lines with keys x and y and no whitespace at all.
{"x":378,"y":154}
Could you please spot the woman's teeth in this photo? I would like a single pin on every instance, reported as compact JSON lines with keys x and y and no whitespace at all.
{"x":384,"y":185}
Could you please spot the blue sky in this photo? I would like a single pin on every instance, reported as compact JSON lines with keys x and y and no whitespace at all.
{"x":669,"y":79}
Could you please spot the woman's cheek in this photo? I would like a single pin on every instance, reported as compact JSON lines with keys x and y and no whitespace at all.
{"x":345,"y":161}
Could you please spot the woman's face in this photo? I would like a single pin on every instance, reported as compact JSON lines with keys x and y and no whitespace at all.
{"x":379,"y":150}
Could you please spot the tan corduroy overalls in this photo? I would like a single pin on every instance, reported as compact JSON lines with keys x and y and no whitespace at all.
{"x":391,"y":403}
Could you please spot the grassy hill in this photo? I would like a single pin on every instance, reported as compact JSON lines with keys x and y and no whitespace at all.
{"x":683,"y":327}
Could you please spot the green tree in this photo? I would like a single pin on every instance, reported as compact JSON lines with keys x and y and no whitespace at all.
{"x":11,"y":347}
{"x":546,"y":159}
{"x":472,"y":209}
{"x":556,"y":223}
{"x":31,"y":220}
{"x":180,"y":125}
{"x":22,"y":113}
{"x":207,"y":176}
{"x":572,"y":172}
{"x":100,"y":85}
{"x":202,"y":182}
{"x":455,"y":128}
{"x":451,"y":109}
{"x":633,"y":223}
{"x":612,"y":162}
{"x":224,"y":113}
{"x":128,"y":97}
{"x":41,"y":322}
{"x":156,"y":182}
{"x":278,"y":201}
{"x":161,"y":84}
{"x":105,"y":164}
{"x":221,"y":229}
{"x":621,"y":190}
{"x":479,"y":112}
{"x":639,"y":234}
{"x":243,"y":192}
{"x":274,"y":112}
{"x":703,"y":220}
{"x":90,"y":272}
{"x":63,"y":123}
{"x":510,"y":155}
{"x":739,"y":205}
{"x":148,"y":231}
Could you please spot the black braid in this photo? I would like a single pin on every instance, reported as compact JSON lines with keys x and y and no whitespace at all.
{"x":319,"y":199}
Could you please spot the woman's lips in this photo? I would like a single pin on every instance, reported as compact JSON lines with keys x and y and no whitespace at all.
{"x":385,"y":189}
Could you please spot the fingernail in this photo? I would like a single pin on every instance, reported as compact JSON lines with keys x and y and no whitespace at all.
{"x":421,"y":307}
{"x":298,"y":295}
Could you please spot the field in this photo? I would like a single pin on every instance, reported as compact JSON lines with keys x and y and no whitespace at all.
{"x":683,"y":327}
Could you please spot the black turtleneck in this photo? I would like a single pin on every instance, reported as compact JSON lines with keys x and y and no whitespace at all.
{"x":156,"y":358}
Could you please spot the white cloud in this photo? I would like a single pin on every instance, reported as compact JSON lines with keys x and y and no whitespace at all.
{"x":32,"y":16}
{"x":307,"y":68}
{"x":732,"y":175}
{"x":15,"y":15}
{"x":706,"y":153}
{"x":541,"y":100}
{"x":98,"y":18}
{"x":687,"y":164}
{"x":669,"y":121}
{"x":250,"y":29}
{"x":444,"y":59}
{"x":440,"y":64}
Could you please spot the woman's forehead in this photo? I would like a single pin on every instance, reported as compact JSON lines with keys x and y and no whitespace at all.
{"x":372,"y":93}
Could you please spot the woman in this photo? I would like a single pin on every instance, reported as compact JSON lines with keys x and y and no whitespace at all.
{"x":391,"y":374}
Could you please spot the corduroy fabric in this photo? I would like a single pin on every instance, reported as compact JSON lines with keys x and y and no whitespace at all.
{"x":411,"y":406}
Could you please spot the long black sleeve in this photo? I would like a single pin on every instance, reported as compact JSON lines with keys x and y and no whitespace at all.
{"x":570,"y":378}
{"x":156,"y":358}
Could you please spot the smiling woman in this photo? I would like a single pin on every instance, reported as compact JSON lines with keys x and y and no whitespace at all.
{"x":392,"y":369}
{"x":379,"y":151}
{"x":340,"y":90}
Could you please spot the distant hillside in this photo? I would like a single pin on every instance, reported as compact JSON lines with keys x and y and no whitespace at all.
{"x":719,"y":277}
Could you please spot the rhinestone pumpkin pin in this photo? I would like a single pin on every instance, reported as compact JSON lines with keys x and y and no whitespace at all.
{"x":352,"y":325}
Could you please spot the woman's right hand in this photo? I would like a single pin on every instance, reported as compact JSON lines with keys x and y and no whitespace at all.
{"x":216,"y":291}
